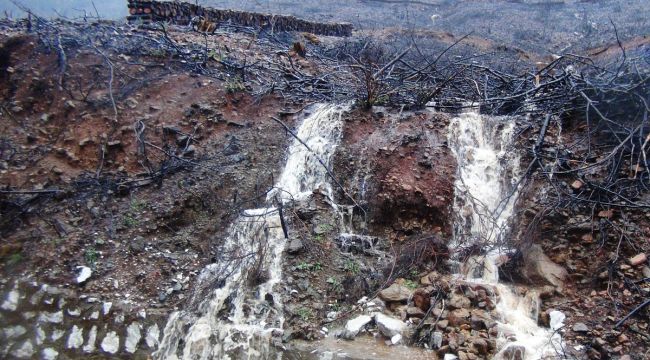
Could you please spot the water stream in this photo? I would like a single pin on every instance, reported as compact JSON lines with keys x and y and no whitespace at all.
{"x":241,"y":311}
{"x":486,"y":191}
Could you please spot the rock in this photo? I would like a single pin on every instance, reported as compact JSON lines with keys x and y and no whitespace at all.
{"x":92,"y":338}
{"x":354,"y":326}
{"x":540,"y":270}
{"x":25,"y":351}
{"x":513,"y":352}
{"x":11,"y":302}
{"x":480,"y":320}
{"x":106,"y":307}
{"x":14,"y":332}
{"x":84,"y":274}
{"x":625,"y":357}
{"x":153,"y":336}
{"x":190,"y":151}
{"x":49,"y":354}
{"x":556,"y":320}
{"x":458,"y":301}
{"x":576,"y":185}
{"x":396,"y":339}
{"x":422,"y":299}
{"x":436,"y":340}
{"x":481,"y":346}
{"x":138,"y":244}
{"x":450,"y":357}
{"x":458,"y":317}
{"x":646,"y":271}
{"x":133,"y":336}
{"x":76,"y":338}
{"x":69,"y":105}
{"x":295,"y":246}
{"x":111,"y":343}
{"x":389,"y":326}
{"x":414,"y":312}
{"x":395,"y":292}
{"x":638,"y":259}
{"x":430,"y":278}
{"x":55,"y":317}
{"x":580,"y":327}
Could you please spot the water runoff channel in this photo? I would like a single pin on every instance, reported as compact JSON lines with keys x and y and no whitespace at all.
{"x":235,"y":320}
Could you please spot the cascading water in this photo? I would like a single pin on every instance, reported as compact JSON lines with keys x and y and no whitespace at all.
{"x":486,"y":190}
{"x":238,"y":318}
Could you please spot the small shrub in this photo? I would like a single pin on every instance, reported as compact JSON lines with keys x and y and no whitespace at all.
{"x":411,"y":284}
{"x":234,"y":86}
{"x":15,"y":259}
{"x":351,"y":266}
{"x":91,"y":255}
{"x":129,"y":221}
{"x":304,"y":314}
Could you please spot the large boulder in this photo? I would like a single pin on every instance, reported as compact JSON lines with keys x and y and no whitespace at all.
{"x":395,"y":293}
{"x":389,"y":326}
{"x":354,"y":326}
{"x":540,"y":270}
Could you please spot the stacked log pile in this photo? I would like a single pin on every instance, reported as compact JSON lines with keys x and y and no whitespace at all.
{"x":181,"y":13}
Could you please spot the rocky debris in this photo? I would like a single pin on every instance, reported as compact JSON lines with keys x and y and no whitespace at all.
{"x":389,"y":326}
{"x":458,"y":301}
{"x":638,"y":259}
{"x":539,"y":269}
{"x":458,"y":317}
{"x":354,"y":326}
{"x":396,"y":293}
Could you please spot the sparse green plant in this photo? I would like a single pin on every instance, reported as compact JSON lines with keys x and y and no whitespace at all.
{"x":335,"y":306}
{"x":305,"y":266}
{"x":234,"y":85}
{"x":324,"y":228}
{"x":414,"y":273}
{"x":304,"y":313}
{"x":15,"y":259}
{"x":319,"y":238}
{"x":136,"y":205}
{"x":334,"y":283}
{"x":129,"y":221}
{"x":351,"y":266}
{"x":91,"y":255}
{"x":410,"y":284}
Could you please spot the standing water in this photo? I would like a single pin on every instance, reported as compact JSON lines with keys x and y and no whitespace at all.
{"x":238,"y":311}
{"x":486,"y":190}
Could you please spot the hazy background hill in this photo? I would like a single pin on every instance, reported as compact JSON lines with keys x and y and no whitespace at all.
{"x":538,"y":25}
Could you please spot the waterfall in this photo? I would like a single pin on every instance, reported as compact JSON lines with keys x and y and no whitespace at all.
{"x":241,"y":312}
{"x":486,"y":191}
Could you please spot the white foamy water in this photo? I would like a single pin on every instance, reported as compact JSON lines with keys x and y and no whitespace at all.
{"x":486,"y":190}
{"x":242,"y":312}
